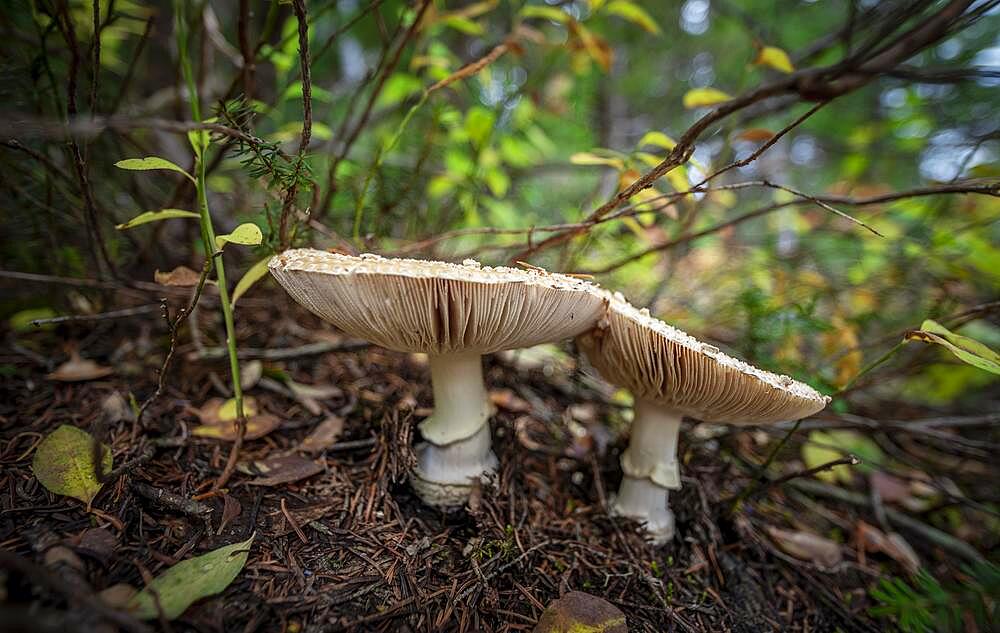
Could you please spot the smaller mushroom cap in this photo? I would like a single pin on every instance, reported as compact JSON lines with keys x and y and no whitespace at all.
{"x":662,"y":364}
{"x":414,"y":305}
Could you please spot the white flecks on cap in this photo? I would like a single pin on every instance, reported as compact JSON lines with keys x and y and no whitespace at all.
{"x":437,"y":307}
{"x":660,"y":363}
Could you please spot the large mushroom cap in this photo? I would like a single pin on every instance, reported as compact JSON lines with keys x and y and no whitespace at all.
{"x":664,"y":365}
{"x":414,"y":305}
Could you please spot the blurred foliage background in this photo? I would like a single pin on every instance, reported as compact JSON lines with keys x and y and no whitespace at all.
{"x":582,"y":99}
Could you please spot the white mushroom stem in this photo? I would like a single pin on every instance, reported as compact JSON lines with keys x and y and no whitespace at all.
{"x":651,"y":471}
{"x":457,"y":451}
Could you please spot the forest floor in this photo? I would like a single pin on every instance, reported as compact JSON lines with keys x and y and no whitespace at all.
{"x":345,"y":545}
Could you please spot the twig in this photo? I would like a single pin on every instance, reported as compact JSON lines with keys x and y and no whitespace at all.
{"x":936,"y":536}
{"x":819,"y":84}
{"x":172,"y":501}
{"x":299,"y":8}
{"x":114,"y":314}
{"x":310,"y":349}
{"x":173,"y":327}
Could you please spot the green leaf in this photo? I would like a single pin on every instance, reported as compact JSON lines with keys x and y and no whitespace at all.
{"x":657,"y":138}
{"x":188,"y":581}
{"x":64,"y":463}
{"x":247,"y":234}
{"x":498,"y":181}
{"x":701,"y":97}
{"x":823,"y":447}
{"x":250,"y":277}
{"x":775,"y":58}
{"x":151,"y":163}
{"x":463,"y":24}
{"x":547,"y":13}
{"x":155,"y":216}
{"x":199,"y":140}
{"x":478,"y":124}
{"x":21,"y":321}
{"x":967,"y":350}
{"x":633,"y":13}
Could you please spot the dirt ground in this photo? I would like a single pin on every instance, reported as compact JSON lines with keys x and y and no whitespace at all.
{"x":350,"y":547}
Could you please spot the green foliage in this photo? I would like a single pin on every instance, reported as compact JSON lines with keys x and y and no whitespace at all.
{"x":151,"y":163}
{"x":925,"y":605}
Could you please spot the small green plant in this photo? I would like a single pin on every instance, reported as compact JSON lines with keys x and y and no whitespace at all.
{"x":924,"y":605}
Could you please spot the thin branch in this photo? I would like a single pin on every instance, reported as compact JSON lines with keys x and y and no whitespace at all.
{"x":816,"y":84}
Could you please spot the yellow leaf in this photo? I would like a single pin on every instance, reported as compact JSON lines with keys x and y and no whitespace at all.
{"x":633,"y":13}
{"x":678,"y":179}
{"x":588,"y":158}
{"x":775,"y":58}
{"x":701,"y":97}
{"x":657,"y":138}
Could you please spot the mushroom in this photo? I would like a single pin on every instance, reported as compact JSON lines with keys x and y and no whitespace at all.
{"x":455,"y":313}
{"x":670,"y":375}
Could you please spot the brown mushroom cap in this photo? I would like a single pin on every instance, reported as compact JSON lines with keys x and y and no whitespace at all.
{"x":414,"y":305}
{"x":664,"y":365}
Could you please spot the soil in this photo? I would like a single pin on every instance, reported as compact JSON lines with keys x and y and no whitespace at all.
{"x":351,"y":548}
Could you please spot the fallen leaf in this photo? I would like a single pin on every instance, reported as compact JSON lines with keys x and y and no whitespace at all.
{"x":190,"y":580}
{"x":257,"y":427}
{"x":99,"y":543}
{"x":64,"y":463}
{"x":250,"y":374}
{"x":807,"y":546}
{"x":508,"y":400}
{"x":310,"y":395}
{"x":78,"y":369}
{"x":283,"y":470}
{"x":117,"y":596}
{"x":892,"y":544}
{"x":231,"y":508}
{"x":116,"y":409}
{"x":324,"y":435}
{"x":579,"y":611}
{"x":182,"y":277}
{"x":890,"y":489}
{"x":218,"y":410}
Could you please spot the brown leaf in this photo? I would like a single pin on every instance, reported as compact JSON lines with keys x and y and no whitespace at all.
{"x":283,"y":470}
{"x":807,"y":546}
{"x":78,"y":369}
{"x":99,"y":543}
{"x":117,"y":596}
{"x":506,"y":399}
{"x":324,"y":435}
{"x":891,"y":489}
{"x":218,"y":410}
{"x":579,"y":611}
{"x":755,"y":135}
{"x":231,"y":508}
{"x":182,"y":277}
{"x":892,"y":545}
{"x":257,"y":427}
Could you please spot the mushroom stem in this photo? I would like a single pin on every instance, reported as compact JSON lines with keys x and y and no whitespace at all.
{"x":650,"y":467}
{"x":457,"y":451}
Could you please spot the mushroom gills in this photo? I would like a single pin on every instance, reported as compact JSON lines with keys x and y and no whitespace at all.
{"x":456,"y":453}
{"x":651,"y":471}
